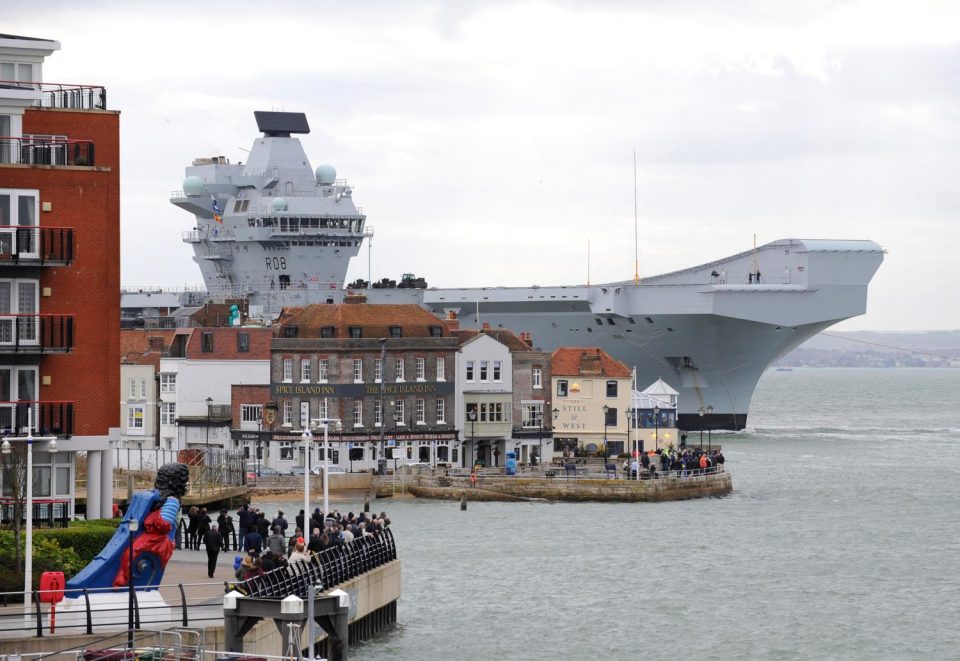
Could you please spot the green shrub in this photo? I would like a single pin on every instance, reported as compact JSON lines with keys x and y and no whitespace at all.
{"x":85,"y":540}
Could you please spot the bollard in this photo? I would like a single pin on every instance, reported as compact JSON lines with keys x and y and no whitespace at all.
{"x":463,"y":502}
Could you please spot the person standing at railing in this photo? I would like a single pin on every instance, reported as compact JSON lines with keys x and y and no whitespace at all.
{"x":281,"y":522}
{"x":203,"y":526}
{"x":194,"y":518}
{"x":214,"y":542}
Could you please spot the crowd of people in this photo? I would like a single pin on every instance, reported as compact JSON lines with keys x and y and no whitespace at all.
{"x":265,"y":543}
{"x":689,"y":461}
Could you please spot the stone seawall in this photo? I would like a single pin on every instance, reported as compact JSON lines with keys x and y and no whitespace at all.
{"x":562,"y":489}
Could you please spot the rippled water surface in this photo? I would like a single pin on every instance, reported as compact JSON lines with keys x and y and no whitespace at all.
{"x":839,"y":541}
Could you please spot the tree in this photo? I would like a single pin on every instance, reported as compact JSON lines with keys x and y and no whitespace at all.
{"x":13,"y":474}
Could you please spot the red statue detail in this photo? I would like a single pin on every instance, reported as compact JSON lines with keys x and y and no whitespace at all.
{"x":155,"y":538}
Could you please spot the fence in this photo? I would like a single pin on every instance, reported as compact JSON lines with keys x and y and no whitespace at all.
{"x":190,"y":604}
{"x":47,"y":513}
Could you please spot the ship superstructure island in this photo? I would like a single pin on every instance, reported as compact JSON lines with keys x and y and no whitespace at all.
{"x":279,"y":233}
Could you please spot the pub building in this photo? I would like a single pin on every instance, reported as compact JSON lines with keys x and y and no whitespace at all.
{"x":382,"y":375}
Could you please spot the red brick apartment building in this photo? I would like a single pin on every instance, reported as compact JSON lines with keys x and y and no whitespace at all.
{"x":59,"y":270}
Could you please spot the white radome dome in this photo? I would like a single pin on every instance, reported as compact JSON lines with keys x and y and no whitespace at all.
{"x":279,"y":204}
{"x":193,"y":185}
{"x":326,"y":175}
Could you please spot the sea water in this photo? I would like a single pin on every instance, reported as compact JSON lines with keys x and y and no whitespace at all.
{"x":839,"y":541}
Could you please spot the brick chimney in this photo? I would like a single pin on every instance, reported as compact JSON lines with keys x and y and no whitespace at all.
{"x":486,"y":325}
{"x":451,"y":322}
{"x":525,"y":336}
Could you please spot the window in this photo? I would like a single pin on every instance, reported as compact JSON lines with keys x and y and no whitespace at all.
{"x":398,"y":414}
{"x":358,"y":370}
{"x":168,"y":413}
{"x":355,"y":331}
{"x":322,"y":370}
{"x":356,"y":453}
{"x":562,"y":388}
{"x":304,"y":415}
{"x":441,"y":369}
{"x":611,"y":419}
{"x":287,"y":451}
{"x":377,"y":413}
{"x":168,"y":382}
{"x":469,"y":370}
{"x":135,"y":420}
{"x":436,"y":331}
{"x":378,"y":370}
{"x":483,"y":412}
{"x":441,"y":411}
{"x":133,"y":389}
{"x":496,"y":412}
{"x":322,"y":409}
{"x":483,"y":370}
{"x":399,"y":369}
{"x":326,"y":332}
{"x":243,"y":342}
{"x":288,"y":413}
{"x":143,"y":388}
{"x":206,"y":344}
{"x":497,"y":375}
{"x":358,"y":413}
{"x":611,"y":388}
{"x":251,"y":412}
{"x":471,"y":412}
{"x":538,"y":377}
{"x":421,"y":412}
{"x":305,"y":370}
{"x":532,"y":415}
{"x":395,"y":331}
{"x":421,"y":368}
{"x":288,"y":369}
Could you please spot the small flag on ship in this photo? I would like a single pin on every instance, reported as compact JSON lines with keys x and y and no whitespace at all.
{"x":217,"y":211}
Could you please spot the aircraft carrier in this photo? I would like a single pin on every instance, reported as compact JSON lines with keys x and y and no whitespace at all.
{"x":279,"y":233}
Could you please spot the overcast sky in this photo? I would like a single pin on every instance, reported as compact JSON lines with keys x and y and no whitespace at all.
{"x":488,"y":142}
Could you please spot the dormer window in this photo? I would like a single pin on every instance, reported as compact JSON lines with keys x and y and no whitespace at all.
{"x":395,"y":331}
{"x":355,"y":331}
{"x":327,"y":332}
{"x":436,"y":331}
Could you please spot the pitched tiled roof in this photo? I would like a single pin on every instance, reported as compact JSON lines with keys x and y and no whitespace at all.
{"x":501,"y":335}
{"x":578,"y":361}
{"x":374,"y":319}
{"x":136,"y":349}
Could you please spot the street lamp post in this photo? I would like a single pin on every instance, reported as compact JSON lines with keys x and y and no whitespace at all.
{"x":472,"y":416}
{"x":326,"y":462}
{"x":709,"y":432}
{"x":656,"y":433}
{"x":606,"y":410}
{"x":132,"y":526}
{"x":6,"y":448}
{"x":556,"y":414}
{"x":307,"y":437}
{"x":207,"y":441}
{"x":701,"y":412}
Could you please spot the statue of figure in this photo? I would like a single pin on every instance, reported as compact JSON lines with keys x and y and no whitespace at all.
{"x":156,"y":513}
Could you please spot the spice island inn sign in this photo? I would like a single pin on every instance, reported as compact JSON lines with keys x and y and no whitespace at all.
{"x":360,"y":389}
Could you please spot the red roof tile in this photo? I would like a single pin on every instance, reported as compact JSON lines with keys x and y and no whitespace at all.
{"x":375,"y":320}
{"x":502,"y":335}
{"x":578,"y":361}
{"x":144,"y":346}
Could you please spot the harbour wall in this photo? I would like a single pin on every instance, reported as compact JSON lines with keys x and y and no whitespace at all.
{"x":581,"y":489}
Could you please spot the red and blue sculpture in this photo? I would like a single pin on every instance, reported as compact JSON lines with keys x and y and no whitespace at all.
{"x":156,"y":513}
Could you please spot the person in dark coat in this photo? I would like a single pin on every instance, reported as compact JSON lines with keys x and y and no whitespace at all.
{"x":194,"y":523}
{"x":243,"y":521}
{"x":263,"y":526}
{"x":280,"y":521}
{"x":299,"y":518}
{"x":214,"y":542}
{"x":253,"y":542}
{"x":225,"y":525}
{"x":203,"y":527}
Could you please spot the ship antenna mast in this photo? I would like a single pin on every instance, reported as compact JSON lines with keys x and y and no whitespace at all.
{"x":636,"y":240}
{"x":588,"y":262}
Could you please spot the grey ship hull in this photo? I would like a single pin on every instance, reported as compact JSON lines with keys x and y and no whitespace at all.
{"x":287,"y":237}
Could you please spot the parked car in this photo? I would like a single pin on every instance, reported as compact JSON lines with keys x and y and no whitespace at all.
{"x":317,"y":470}
{"x":297,"y":470}
{"x":265,"y":471}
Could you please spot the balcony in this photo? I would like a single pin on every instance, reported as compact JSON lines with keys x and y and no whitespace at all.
{"x":62,"y":95}
{"x":46,"y":151}
{"x":48,"y":417}
{"x":36,"y":246}
{"x":36,"y":333}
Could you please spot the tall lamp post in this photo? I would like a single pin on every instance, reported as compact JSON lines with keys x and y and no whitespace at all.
{"x":606,"y":411}
{"x":326,"y":462}
{"x":709,"y":432}
{"x":307,"y":437}
{"x":472,"y":417}
{"x":656,"y":433}
{"x":6,"y":448}
{"x":701,"y":412}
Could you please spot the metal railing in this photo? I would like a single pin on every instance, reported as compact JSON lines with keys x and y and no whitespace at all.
{"x":44,"y":151}
{"x":36,"y":333}
{"x":329,"y":568}
{"x":47,"y":512}
{"x":49,"y":417}
{"x":34,"y":245}
{"x":63,"y":95}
